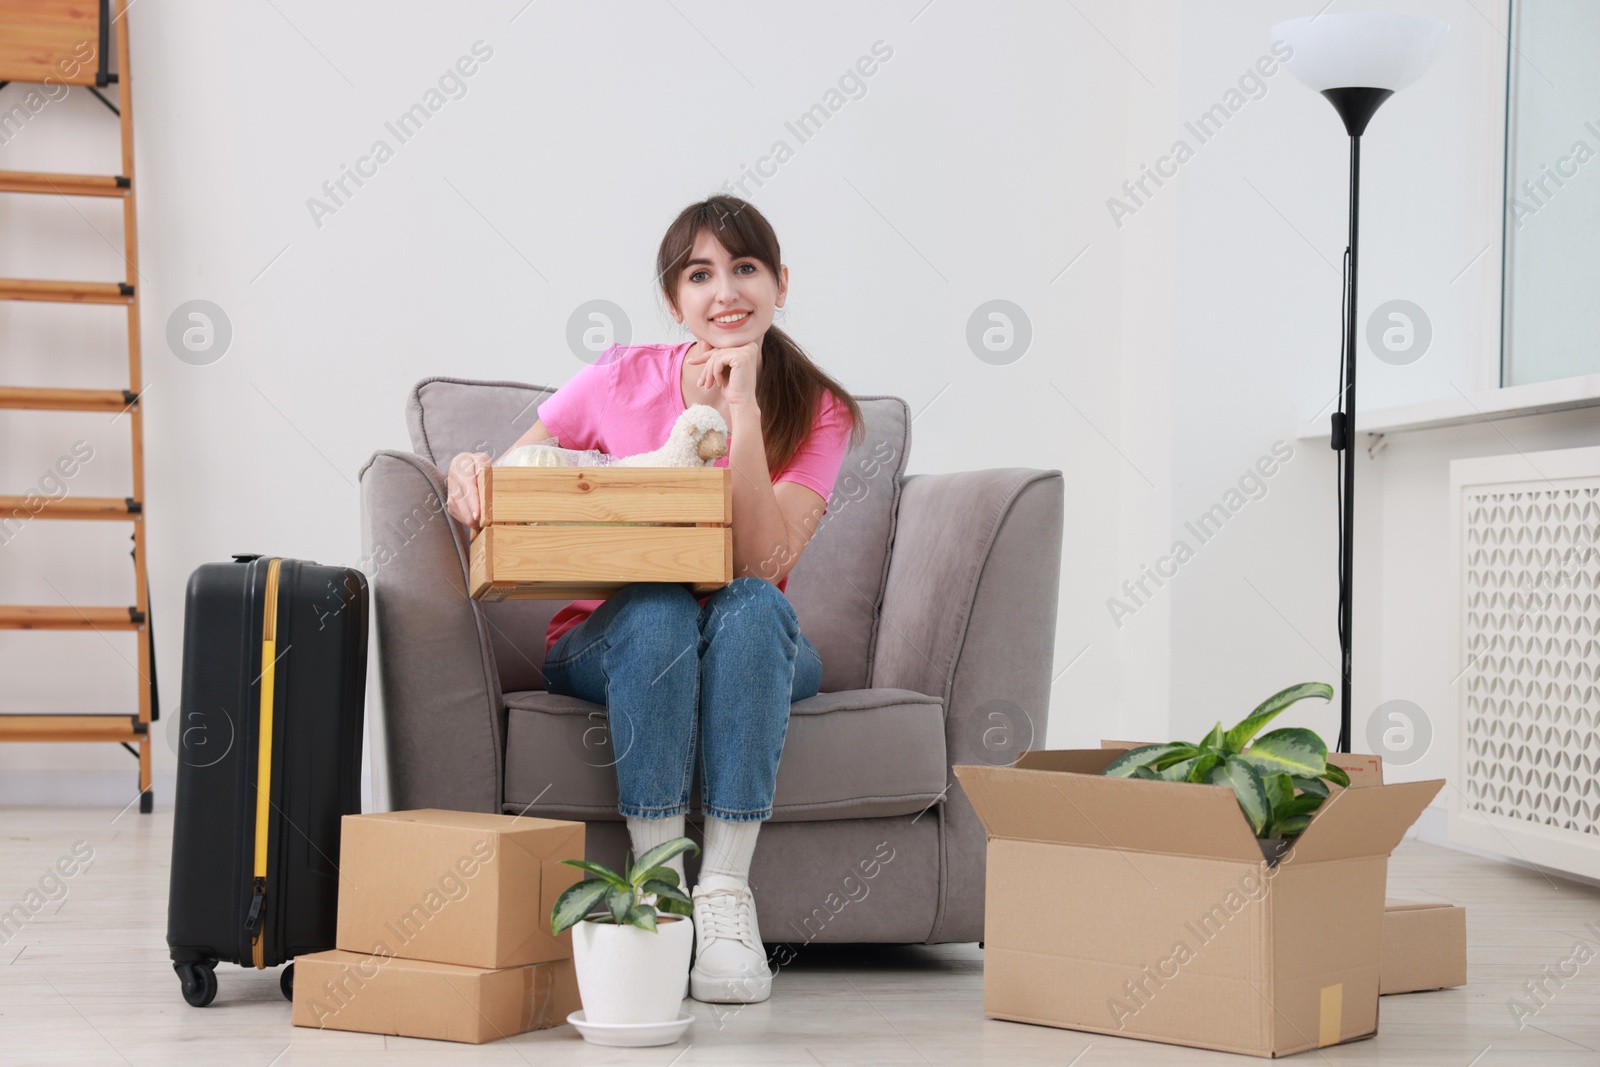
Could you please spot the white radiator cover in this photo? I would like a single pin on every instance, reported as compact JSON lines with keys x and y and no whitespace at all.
{"x":1525,"y":571}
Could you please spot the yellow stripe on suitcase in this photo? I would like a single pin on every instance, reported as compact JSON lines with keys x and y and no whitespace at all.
{"x":269,"y":656}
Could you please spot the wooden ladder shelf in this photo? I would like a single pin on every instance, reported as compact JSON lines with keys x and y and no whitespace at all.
{"x":68,"y":42}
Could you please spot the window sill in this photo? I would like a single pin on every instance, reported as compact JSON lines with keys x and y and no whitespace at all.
{"x":1536,"y":398}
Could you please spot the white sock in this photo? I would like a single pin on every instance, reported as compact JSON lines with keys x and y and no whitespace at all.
{"x":729,"y":847}
{"x":648,"y":833}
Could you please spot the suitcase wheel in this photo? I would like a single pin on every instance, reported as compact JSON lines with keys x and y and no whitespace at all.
{"x":286,"y":982}
{"x":199,"y":981}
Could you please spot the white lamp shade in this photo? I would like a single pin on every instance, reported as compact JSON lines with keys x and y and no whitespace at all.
{"x":1361,"y":51}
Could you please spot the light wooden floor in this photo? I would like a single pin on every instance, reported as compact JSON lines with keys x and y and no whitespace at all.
{"x":88,"y":981}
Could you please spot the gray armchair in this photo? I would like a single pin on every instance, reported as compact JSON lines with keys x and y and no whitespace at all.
{"x":932,"y":599}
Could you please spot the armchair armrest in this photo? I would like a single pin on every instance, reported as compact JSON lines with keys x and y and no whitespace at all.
{"x":969,"y":616}
{"x":439,"y":690}
{"x":969,"y":609}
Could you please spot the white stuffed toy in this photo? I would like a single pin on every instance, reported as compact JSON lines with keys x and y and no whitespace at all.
{"x":698,"y":439}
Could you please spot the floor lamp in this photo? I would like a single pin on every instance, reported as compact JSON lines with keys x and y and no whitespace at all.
{"x":1357,"y":62}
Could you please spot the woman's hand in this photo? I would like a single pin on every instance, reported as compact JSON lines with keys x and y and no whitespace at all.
{"x":462,"y":496}
{"x":733,"y":370}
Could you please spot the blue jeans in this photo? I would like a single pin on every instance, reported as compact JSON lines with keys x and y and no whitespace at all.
{"x":668,"y":670}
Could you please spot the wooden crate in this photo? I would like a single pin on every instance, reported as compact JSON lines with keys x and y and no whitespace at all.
{"x":582,"y":533}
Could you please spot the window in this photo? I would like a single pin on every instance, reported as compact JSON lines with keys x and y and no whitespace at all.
{"x":1550,"y":299}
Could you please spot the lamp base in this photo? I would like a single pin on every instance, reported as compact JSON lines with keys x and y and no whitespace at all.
{"x":1356,"y":105}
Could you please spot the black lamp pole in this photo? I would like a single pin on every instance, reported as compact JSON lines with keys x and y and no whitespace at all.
{"x":1356,"y":107}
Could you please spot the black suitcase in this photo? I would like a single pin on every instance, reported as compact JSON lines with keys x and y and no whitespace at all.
{"x":274,"y":682}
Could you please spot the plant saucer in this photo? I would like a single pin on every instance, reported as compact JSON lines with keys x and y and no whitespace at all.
{"x":631,"y":1035}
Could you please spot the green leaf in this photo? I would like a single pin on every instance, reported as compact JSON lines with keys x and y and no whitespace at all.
{"x":1311,"y":786}
{"x":1250,"y":725}
{"x":1294,"y":824}
{"x":1184,"y":770}
{"x":665,"y":891}
{"x":1336,"y":775}
{"x":659,"y":874}
{"x":1124,"y":765}
{"x":575,"y":902}
{"x":1280,"y":791}
{"x":1145,"y":772}
{"x":610,"y":876}
{"x":663,"y":852}
{"x":1172,"y":757}
{"x":1304,"y":805}
{"x":643,"y":916}
{"x":1179,"y":771}
{"x":619,"y":900}
{"x":1292,"y":751}
{"x":1204,"y":764}
{"x":674,"y":907}
{"x":1247,"y":787}
{"x":1216,"y":740}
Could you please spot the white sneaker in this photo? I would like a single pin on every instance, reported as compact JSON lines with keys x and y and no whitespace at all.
{"x":730,"y":966}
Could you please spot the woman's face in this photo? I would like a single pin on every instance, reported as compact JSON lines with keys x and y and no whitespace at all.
{"x":716,"y":286}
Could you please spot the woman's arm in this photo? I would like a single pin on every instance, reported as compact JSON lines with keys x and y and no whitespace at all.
{"x":761,"y":544}
{"x":462,"y":502}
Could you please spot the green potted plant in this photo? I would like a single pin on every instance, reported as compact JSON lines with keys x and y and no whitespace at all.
{"x":1280,"y":780}
{"x":631,"y":962}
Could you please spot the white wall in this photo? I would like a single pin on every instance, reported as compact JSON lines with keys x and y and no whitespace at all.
{"x":1262,"y":227}
{"x":977,"y":165}
{"x":1230,"y":339}
{"x":1263,"y":217}
{"x":969,"y":170}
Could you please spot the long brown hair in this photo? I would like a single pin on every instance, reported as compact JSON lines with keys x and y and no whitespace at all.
{"x":790,"y":387}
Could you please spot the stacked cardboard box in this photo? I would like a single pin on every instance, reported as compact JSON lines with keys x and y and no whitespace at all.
{"x":1424,"y":947}
{"x":444,"y":928}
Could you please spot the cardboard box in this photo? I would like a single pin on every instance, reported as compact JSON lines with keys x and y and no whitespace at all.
{"x":1145,"y":909}
{"x":341,"y":990}
{"x":455,"y":886}
{"x":1424,"y":946}
{"x":582,"y":533}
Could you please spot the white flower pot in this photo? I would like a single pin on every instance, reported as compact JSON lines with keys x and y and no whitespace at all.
{"x":629,"y":975}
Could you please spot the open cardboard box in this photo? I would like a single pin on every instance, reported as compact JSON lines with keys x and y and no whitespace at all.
{"x":582,"y":533}
{"x":1146,"y":909}
{"x":1424,"y":944}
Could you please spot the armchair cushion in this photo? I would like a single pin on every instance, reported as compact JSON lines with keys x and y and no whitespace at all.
{"x":860,"y":754}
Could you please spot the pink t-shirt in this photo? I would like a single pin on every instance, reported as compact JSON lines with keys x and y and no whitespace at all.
{"x":627,"y":401}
